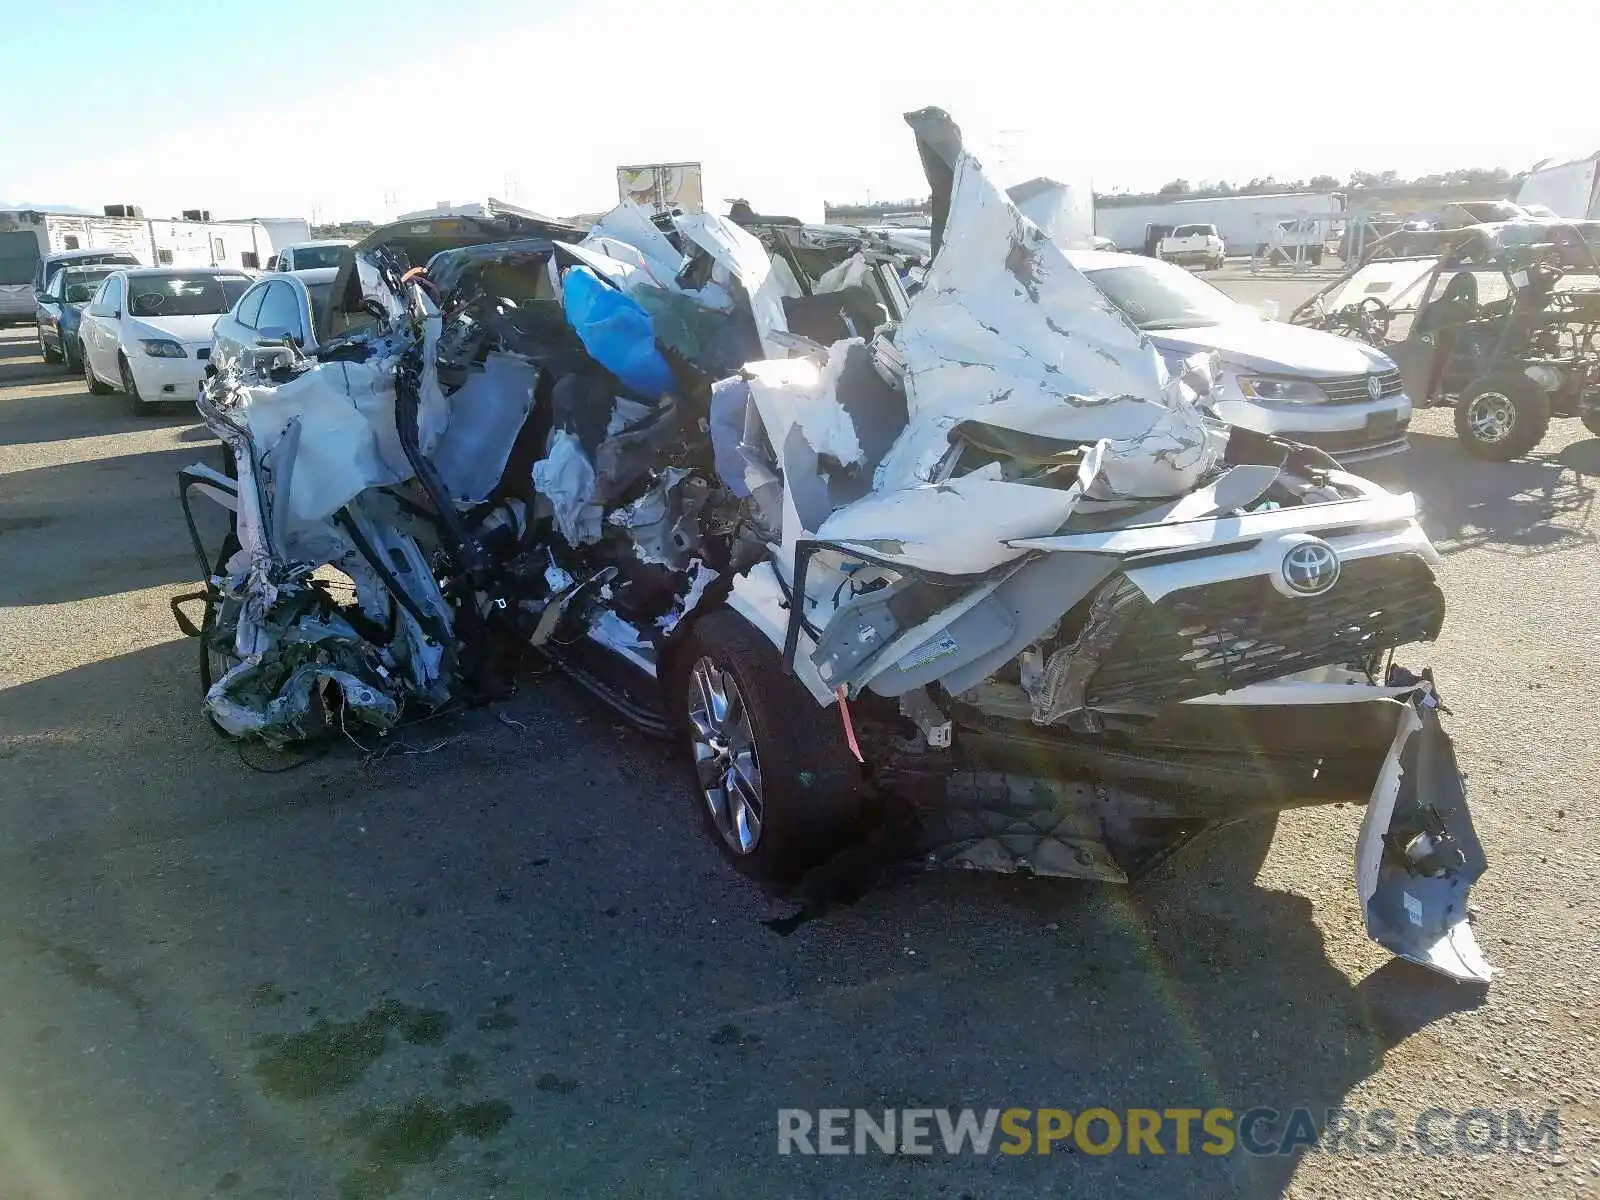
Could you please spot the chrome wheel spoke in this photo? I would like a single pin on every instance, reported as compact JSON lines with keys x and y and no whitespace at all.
{"x":744,"y":765}
{"x":703,"y":731}
{"x":745,"y":808}
{"x":732,"y":705}
{"x":726,"y":766}
{"x":708,"y":706}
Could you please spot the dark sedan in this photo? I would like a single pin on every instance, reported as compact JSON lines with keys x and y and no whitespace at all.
{"x":57,"y":310}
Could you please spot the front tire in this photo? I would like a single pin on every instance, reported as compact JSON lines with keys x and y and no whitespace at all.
{"x":96,"y":388}
{"x":775,"y":783}
{"x":130,"y":387}
{"x":1591,"y":420}
{"x":49,"y":355}
{"x":1501,"y":419}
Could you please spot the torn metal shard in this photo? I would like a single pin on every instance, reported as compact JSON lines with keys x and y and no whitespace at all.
{"x":1418,"y":854}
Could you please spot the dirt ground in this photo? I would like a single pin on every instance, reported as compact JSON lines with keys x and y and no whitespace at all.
{"x":499,"y":958}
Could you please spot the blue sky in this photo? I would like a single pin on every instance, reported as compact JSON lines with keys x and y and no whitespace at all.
{"x":341,"y":110}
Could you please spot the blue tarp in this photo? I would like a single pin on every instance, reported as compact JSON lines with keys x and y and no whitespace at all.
{"x":616,"y":332}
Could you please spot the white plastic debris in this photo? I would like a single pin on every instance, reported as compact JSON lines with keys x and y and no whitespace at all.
{"x":625,"y":414}
{"x":347,"y":441}
{"x":565,"y":477}
{"x":852,"y":272}
{"x":628,"y":227}
{"x":739,"y":253}
{"x":485,"y":416}
{"x":799,"y":392}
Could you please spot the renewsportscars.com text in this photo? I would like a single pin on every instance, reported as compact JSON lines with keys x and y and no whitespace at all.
{"x":1174,"y":1131}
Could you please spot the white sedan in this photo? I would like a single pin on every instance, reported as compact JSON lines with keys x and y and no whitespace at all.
{"x":147,"y":332}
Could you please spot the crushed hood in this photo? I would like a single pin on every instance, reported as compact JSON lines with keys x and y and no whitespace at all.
{"x":1004,"y":322}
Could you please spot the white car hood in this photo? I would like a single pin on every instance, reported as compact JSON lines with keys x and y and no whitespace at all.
{"x":1275,"y":347}
{"x":187,"y":330}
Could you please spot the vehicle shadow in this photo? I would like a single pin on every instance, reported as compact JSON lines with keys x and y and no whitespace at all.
{"x":18,"y":342}
{"x":71,"y":412}
{"x":96,"y":527}
{"x":17,"y":370}
{"x":1193,"y":989}
{"x":1535,"y":505}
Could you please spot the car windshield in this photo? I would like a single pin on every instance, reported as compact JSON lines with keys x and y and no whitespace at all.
{"x":1396,"y":282}
{"x":196,"y":295}
{"x":82,"y":285}
{"x":308,"y":258}
{"x":1157,"y":296}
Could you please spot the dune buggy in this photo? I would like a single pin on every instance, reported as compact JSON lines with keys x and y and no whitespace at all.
{"x":1501,"y":325}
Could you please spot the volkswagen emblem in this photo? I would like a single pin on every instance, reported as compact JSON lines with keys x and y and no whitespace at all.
{"x":1310,"y":568}
{"x":1375,"y":387}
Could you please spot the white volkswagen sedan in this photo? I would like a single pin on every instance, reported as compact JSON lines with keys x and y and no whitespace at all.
{"x":147,"y":332}
{"x":1334,"y":393}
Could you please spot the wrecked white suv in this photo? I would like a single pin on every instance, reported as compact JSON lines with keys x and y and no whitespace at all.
{"x":976,"y":570}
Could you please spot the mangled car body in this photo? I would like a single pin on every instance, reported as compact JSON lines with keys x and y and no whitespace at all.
{"x":981,"y":559}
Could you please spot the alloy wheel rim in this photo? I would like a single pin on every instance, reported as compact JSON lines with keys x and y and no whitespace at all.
{"x":1491,"y":416}
{"x":726,"y":767}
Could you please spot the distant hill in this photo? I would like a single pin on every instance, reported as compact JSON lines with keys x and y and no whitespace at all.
{"x":29,"y":205}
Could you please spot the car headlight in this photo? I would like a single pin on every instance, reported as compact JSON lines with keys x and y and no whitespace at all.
{"x":1281,"y":391}
{"x":161,"y":348}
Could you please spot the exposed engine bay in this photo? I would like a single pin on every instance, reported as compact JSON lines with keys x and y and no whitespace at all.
{"x":851,"y":517}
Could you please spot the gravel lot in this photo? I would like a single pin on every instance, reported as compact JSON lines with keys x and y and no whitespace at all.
{"x":501,"y":960}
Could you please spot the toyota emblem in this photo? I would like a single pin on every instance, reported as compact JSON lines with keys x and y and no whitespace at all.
{"x":1375,"y":387}
{"x":1311,"y":568}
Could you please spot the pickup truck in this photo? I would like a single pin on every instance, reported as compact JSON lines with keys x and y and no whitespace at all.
{"x":309,"y":256}
{"x":1192,"y":244}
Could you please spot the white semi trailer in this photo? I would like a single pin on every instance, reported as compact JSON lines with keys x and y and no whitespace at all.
{"x":1245,"y":223}
{"x":1569,"y":189}
{"x":28,"y":235}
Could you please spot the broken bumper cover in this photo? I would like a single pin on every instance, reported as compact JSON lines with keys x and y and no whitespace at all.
{"x":1113,"y":814}
{"x":1418,"y":854}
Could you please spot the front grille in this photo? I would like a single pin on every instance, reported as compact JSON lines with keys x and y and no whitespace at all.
{"x":1220,"y":636}
{"x":1350,"y":441}
{"x":1352,"y":389}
